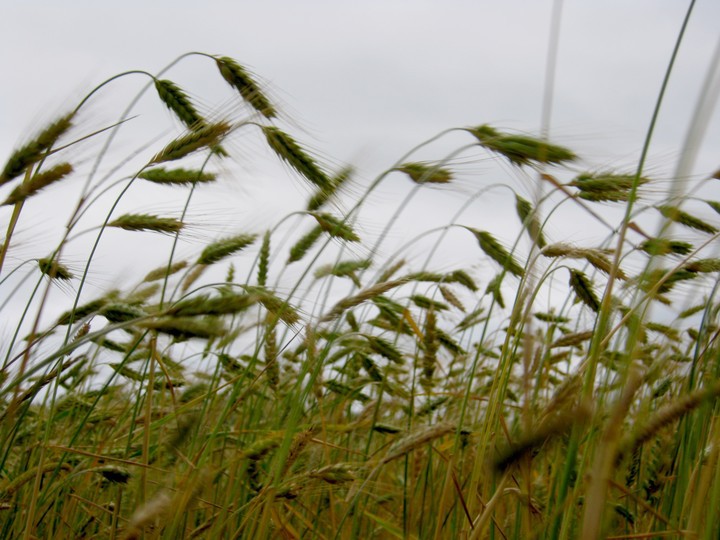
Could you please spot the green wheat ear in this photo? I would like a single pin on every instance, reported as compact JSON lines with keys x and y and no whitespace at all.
{"x":176,"y":177}
{"x":582,"y":286}
{"x":664,"y":246}
{"x":304,"y":244}
{"x":422,"y":173}
{"x":178,"y":102}
{"x":33,"y":151}
{"x":147,"y":222}
{"x":288,"y":150}
{"x":264,"y":260}
{"x":54,"y":270}
{"x":673,"y":213}
{"x":323,"y":195}
{"x":225,"y":247}
{"x":530,"y":220}
{"x":604,"y":186}
{"x":206,"y":136}
{"x":497,"y":252}
{"x":335,"y":228}
{"x":37,"y":182}
{"x":521,"y":149}
{"x":237,"y":77}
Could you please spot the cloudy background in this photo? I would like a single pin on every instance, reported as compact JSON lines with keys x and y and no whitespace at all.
{"x":364,"y":82}
{"x":370,"y":79}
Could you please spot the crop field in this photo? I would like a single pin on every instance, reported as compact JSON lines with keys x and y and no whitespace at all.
{"x":341,"y":374}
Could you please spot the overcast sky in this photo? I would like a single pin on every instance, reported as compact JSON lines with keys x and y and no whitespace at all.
{"x":370,"y":79}
{"x":363,"y":82}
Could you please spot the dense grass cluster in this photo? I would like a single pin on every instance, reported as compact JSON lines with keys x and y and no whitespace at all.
{"x":546,"y":390}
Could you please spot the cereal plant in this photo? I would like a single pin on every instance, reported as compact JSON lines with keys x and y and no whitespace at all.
{"x":313,"y":380}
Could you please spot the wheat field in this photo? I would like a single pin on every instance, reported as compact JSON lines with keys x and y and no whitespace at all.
{"x":483,"y":378}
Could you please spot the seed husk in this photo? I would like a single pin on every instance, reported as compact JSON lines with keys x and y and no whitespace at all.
{"x":114,"y":474}
{"x":430,"y":349}
{"x":193,"y":276}
{"x":715,"y":205}
{"x":337,"y":473}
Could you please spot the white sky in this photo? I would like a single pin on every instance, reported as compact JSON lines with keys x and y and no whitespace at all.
{"x":366,"y":81}
{"x":371,"y":79}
